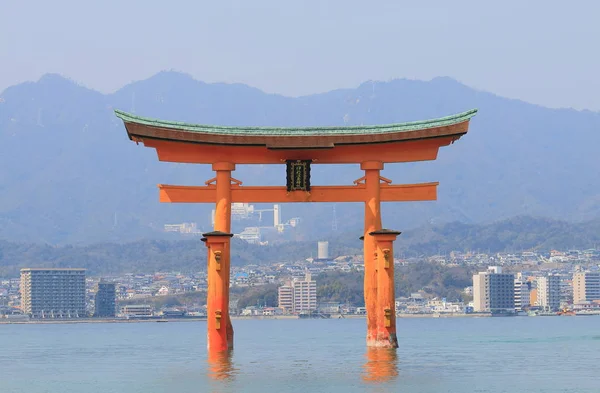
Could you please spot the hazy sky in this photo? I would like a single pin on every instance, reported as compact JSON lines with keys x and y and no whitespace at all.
{"x":545,"y":52}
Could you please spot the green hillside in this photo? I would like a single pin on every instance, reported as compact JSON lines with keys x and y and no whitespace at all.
{"x":514,"y":235}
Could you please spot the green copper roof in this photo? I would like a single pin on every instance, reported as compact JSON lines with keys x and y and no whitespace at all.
{"x":299,"y":131}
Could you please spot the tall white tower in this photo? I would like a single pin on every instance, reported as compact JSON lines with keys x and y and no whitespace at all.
{"x":276,"y":216}
{"x":323,"y":250}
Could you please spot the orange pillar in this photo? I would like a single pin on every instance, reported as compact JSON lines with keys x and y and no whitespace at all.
{"x":217,"y":297}
{"x":223,"y":202}
{"x":386,"y":297}
{"x":223,"y":224}
{"x":372,"y":223}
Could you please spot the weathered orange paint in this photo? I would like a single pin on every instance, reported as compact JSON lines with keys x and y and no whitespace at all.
{"x":418,"y":150}
{"x":372,"y":223}
{"x":386,"y":298}
{"x":223,"y":197}
{"x":217,"y":296}
{"x":270,"y":194}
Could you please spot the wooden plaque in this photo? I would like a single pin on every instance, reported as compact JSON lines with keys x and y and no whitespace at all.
{"x":298,"y":175}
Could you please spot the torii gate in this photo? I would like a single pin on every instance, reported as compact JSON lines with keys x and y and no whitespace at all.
{"x":298,"y":148}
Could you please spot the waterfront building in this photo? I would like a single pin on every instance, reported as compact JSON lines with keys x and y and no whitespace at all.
{"x":586,"y":287}
{"x":442,"y":306}
{"x":299,"y":295}
{"x":494,"y":291}
{"x":105,"y":304}
{"x":305,"y":294}
{"x":548,"y":292}
{"x":522,"y":292}
{"x":566,"y":291}
{"x":533,"y":293}
{"x":286,"y":298}
{"x":137,"y":311}
{"x":53,"y":293}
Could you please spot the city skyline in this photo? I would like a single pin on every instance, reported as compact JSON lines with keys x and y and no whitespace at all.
{"x":566,"y":282}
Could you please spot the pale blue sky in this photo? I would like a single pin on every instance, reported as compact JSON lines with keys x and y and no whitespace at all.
{"x":545,"y":52}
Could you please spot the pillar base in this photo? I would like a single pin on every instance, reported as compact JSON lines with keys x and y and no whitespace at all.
{"x":384,"y":342}
{"x":385,"y":309}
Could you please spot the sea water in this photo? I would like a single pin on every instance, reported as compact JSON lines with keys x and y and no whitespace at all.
{"x":520,"y":354}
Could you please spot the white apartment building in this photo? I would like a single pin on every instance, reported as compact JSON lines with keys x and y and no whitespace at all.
{"x":522,"y":292}
{"x":286,"y":298}
{"x":299,"y":295}
{"x":548,"y":292}
{"x":53,"y":293}
{"x":137,"y":311}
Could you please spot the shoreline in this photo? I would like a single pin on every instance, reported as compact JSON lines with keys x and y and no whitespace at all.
{"x":202,"y":319}
{"x":4,"y":321}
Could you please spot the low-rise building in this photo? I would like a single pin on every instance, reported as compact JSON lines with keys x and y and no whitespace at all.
{"x":137,"y":311}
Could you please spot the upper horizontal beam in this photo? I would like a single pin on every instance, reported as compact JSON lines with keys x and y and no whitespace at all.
{"x":419,"y":150}
{"x":269,"y":194}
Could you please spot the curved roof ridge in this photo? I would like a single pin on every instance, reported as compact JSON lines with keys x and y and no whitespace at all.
{"x":300,"y":131}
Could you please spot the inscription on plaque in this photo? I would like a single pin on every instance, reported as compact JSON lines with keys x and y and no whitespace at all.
{"x":298,"y":175}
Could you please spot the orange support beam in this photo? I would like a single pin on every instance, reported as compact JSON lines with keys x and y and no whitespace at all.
{"x":372,"y":223}
{"x":386,"y":297}
{"x":270,"y":194}
{"x":195,"y":153}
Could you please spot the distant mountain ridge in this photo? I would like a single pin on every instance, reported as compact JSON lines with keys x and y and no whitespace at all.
{"x":68,"y":173}
{"x":147,"y":256}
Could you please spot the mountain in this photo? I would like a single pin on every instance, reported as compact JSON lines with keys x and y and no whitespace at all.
{"x":146,"y":256}
{"x":68,"y":173}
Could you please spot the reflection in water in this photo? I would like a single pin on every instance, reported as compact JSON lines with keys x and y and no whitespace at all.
{"x":381,"y":365}
{"x":220,"y":365}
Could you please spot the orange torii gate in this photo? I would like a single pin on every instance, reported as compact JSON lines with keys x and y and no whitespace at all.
{"x":298,"y":148}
